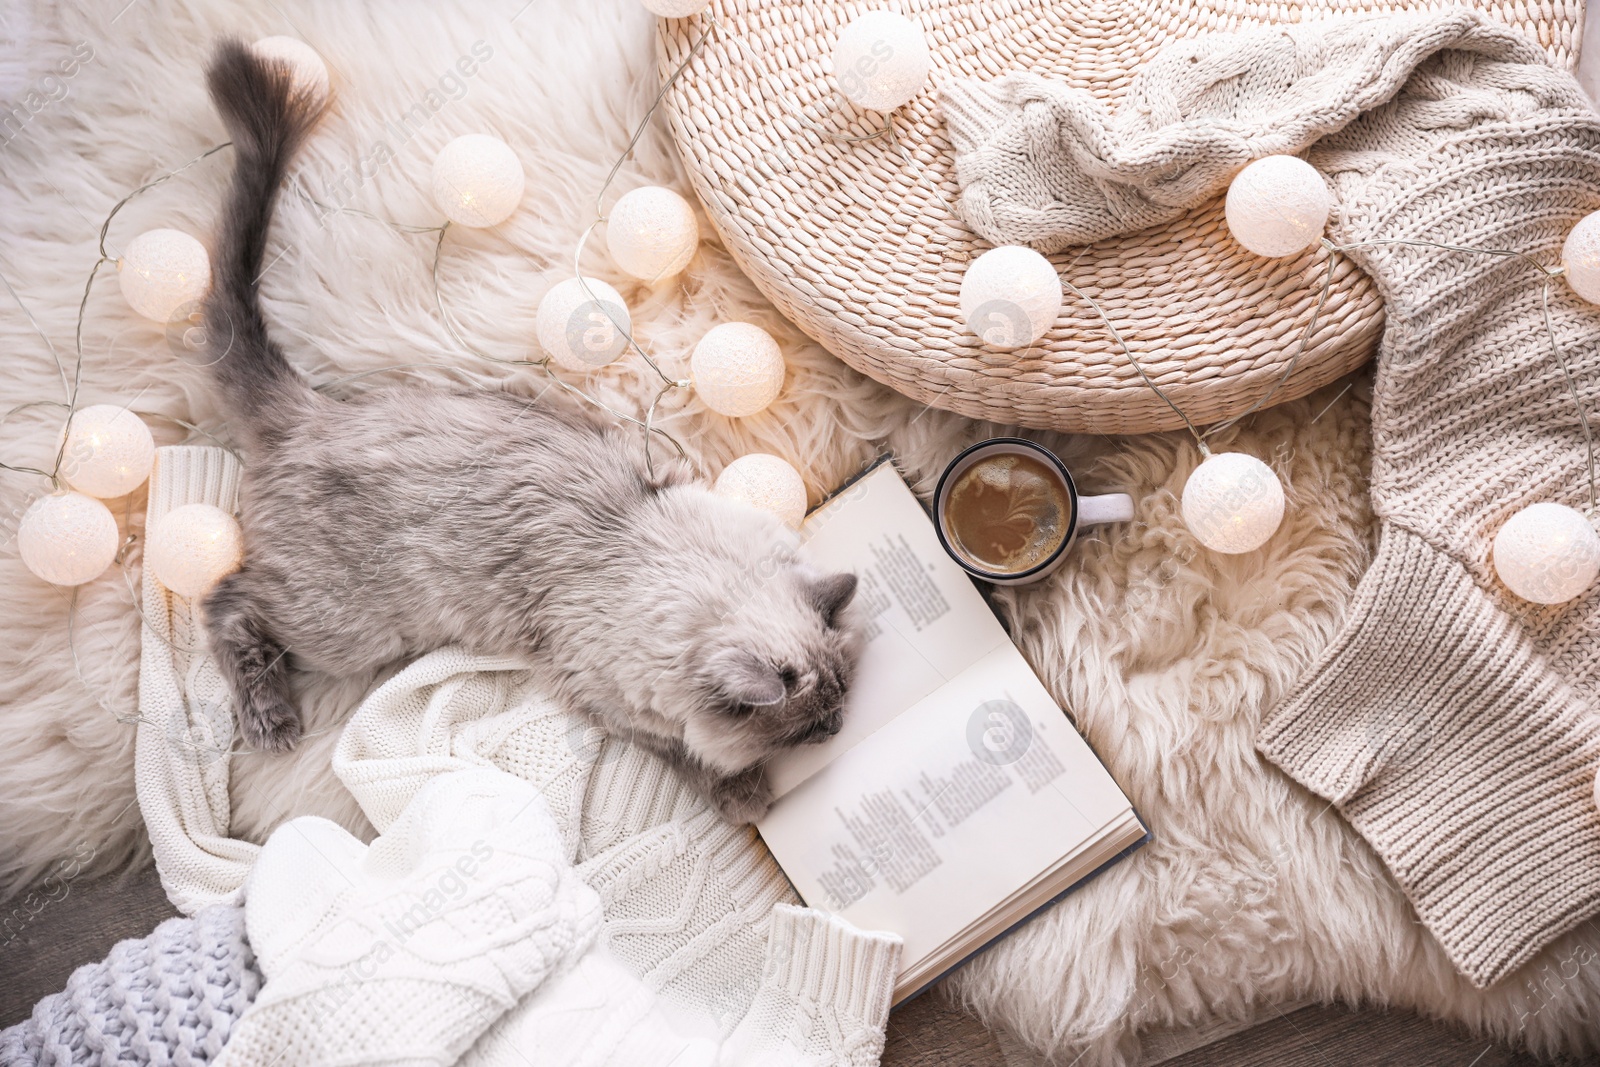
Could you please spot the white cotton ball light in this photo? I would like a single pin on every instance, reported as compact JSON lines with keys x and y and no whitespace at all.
{"x":193,"y":547}
{"x":580,"y":332}
{"x":652,"y":233}
{"x":309,"y":72}
{"x":1233,"y":503}
{"x":477,"y":180}
{"x":1580,"y":258}
{"x":737,"y":369}
{"x":675,"y":9}
{"x":1547,"y":553}
{"x":1277,"y":206}
{"x":68,"y":538}
{"x":880,"y":60}
{"x":1010,"y":296}
{"x":163,"y":271}
{"x":767,"y":482}
{"x":108,"y":451}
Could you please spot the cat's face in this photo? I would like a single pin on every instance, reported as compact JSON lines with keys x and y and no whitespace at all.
{"x":774,"y":671}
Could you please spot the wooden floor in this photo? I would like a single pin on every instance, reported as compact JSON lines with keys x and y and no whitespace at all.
{"x":927,"y":1033}
{"x":44,"y":938}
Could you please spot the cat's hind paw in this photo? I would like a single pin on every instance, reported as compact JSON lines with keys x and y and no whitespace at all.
{"x":270,"y":726}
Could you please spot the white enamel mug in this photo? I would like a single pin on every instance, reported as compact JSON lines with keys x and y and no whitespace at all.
{"x":1086,"y":510}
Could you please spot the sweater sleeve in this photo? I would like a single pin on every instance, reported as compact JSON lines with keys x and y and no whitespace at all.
{"x":185,"y":714}
{"x":1456,"y":726}
{"x":1436,"y":726}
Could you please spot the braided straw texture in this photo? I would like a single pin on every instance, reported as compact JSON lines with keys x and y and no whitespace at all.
{"x":858,"y":243}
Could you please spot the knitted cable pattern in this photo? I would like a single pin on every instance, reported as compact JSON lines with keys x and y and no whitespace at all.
{"x":1455,"y":726}
{"x":170,"y":998}
{"x":703,"y":946}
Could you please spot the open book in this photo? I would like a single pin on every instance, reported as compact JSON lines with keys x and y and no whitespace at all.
{"x":957,"y":800}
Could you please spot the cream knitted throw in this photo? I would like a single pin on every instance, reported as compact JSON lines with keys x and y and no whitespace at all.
{"x":406,"y":950}
{"x":703,"y":953}
{"x":706,"y":956}
{"x":1454,"y":725}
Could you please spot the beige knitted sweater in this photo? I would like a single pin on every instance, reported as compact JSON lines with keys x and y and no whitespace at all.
{"x":1454,"y":725}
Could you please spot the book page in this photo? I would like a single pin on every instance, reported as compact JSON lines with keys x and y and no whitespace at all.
{"x":945,"y":812}
{"x":926,"y":622}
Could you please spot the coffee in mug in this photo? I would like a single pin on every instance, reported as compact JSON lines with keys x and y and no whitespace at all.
{"x":1007,"y":509}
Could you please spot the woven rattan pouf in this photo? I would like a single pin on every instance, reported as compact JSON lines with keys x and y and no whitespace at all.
{"x":856,"y":240}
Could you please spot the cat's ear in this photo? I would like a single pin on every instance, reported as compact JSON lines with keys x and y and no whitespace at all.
{"x":832,"y":594}
{"x":746,"y":679}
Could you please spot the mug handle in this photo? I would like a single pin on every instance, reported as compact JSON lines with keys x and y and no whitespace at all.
{"x":1112,"y":507}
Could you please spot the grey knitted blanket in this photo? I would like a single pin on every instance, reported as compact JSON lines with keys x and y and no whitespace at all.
{"x":1455,"y":726}
{"x":170,"y":998}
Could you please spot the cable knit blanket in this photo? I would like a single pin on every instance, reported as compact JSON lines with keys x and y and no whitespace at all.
{"x":173,"y":997}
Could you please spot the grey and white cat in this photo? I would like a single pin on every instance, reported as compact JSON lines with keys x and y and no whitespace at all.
{"x":412,"y":518}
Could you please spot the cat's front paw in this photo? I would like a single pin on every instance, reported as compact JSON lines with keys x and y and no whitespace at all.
{"x":269,"y":726}
{"x":743,"y":797}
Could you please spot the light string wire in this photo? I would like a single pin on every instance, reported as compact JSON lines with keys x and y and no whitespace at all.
{"x":1199,"y":436}
{"x":1547,"y":275}
{"x":71,"y":387}
{"x":667,"y":382}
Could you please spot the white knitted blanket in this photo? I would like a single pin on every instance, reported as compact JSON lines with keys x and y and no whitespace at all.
{"x":703,"y":956}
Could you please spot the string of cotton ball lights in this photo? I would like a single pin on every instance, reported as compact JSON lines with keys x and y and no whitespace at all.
{"x":69,"y":536}
{"x":1232,"y":502}
{"x":1278,"y":206}
{"x":583,"y":324}
{"x":880,"y":61}
{"x":1547,"y":553}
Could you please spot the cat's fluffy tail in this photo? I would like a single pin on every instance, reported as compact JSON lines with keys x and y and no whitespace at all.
{"x":268,"y":118}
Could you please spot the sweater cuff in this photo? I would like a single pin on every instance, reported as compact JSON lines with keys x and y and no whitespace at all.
{"x":819,"y":958}
{"x":1474,"y":780}
{"x":192,"y":474}
{"x":973,"y":109}
{"x":824,"y":995}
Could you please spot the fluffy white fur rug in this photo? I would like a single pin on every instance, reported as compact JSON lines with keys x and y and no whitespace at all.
{"x":1253,"y":893}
